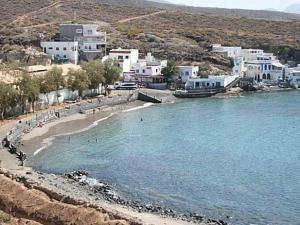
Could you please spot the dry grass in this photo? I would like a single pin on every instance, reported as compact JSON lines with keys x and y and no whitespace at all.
{"x":4,"y":218}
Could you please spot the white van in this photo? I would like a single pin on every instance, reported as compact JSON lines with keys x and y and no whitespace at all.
{"x":125,"y":86}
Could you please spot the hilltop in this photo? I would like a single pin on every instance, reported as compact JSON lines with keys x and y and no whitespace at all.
{"x":169,"y":31}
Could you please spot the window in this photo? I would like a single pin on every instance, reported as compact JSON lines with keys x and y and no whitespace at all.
{"x":266,"y":67}
{"x":197,"y":84}
{"x":50,"y":48}
{"x":89,"y":31}
{"x":144,"y":71}
{"x":213,"y":84}
{"x":218,"y":84}
{"x":57,"y":48}
{"x":120,"y":57}
{"x":65,"y":56}
{"x":126,"y":57}
{"x":85,"y":47}
{"x":264,"y":76}
{"x":137,"y":71}
{"x":78,"y":31}
{"x":65,"y":49}
{"x":207,"y":84}
{"x":269,"y":76}
{"x":269,"y":67}
{"x":187,"y":73}
{"x":90,"y":47}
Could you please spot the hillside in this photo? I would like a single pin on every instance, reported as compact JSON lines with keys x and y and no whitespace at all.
{"x":167,"y":32}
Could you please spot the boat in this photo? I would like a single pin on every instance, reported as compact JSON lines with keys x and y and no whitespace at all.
{"x":197,"y":93}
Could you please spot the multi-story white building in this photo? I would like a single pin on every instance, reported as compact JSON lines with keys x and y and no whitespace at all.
{"x":91,"y":42}
{"x":126,"y":58}
{"x":186,"y":72}
{"x":253,"y":63}
{"x":61,"y":50}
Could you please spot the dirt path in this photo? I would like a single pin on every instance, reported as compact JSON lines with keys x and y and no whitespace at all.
{"x":141,"y":17}
{"x":21,"y":19}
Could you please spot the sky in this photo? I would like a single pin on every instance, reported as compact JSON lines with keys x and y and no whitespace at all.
{"x":241,"y":4}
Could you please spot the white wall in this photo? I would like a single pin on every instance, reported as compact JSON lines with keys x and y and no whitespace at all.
{"x":186,"y":72}
{"x":65,"y":95}
{"x":142,"y":69}
{"x":211,"y":81}
{"x":67,"y":50}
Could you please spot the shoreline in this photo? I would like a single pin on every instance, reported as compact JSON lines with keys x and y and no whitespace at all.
{"x":40,"y":137}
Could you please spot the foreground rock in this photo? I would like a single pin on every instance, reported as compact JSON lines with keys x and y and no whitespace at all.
{"x":37,"y":206}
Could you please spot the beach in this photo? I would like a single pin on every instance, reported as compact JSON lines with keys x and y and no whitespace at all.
{"x":61,"y":188}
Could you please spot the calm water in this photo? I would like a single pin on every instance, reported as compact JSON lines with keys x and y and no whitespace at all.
{"x":234,"y":157}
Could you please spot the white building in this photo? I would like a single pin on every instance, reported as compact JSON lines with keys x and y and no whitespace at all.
{"x":149,"y":66}
{"x":253,"y":63}
{"x":61,"y":50}
{"x":264,"y":69}
{"x":91,"y":42}
{"x":126,"y":58}
{"x":186,"y":72}
{"x":292,"y":74}
{"x":230,"y":52}
{"x":211,"y":82}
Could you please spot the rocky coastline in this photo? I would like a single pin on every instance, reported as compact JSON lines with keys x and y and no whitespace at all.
{"x":107,"y":192}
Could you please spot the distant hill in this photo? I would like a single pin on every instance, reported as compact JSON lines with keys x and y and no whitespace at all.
{"x":253,"y":14}
{"x":294,"y":8}
{"x":160,"y":1}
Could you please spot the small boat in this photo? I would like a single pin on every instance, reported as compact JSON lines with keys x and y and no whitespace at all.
{"x":197,"y":93}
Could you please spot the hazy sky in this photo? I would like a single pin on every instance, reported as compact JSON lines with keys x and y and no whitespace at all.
{"x":242,"y":4}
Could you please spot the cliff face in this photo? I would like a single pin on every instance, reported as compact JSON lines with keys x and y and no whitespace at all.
{"x":169,"y":31}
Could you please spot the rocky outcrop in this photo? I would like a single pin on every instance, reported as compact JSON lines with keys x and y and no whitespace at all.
{"x":36,"y":206}
{"x":27,"y":56}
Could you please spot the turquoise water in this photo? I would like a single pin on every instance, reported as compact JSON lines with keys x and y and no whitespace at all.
{"x":235,"y":157}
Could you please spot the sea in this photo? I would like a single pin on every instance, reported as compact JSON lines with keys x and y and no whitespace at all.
{"x":236,"y":159}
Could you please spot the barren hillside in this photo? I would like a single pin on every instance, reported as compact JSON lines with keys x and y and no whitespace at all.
{"x":167,"y":31}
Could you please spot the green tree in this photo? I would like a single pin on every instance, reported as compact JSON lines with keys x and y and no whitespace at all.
{"x":55,"y":80}
{"x":28,"y":90}
{"x":45,"y":88}
{"x":8,"y":98}
{"x":170,"y":70}
{"x":78,"y":80}
{"x":111,"y":71}
{"x":95,"y":73}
